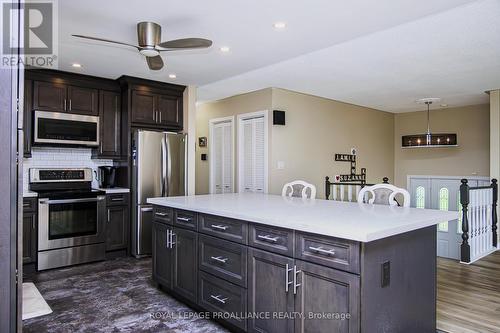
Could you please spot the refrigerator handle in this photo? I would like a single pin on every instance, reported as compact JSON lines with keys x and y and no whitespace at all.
{"x":168,"y":178}
{"x":164,"y":166}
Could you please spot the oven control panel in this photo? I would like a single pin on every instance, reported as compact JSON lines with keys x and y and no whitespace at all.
{"x":60,"y":175}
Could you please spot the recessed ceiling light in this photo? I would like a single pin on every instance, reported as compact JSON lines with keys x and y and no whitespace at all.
{"x":224,"y":49}
{"x":76,"y":65}
{"x":279,"y":25}
{"x":172,"y":76}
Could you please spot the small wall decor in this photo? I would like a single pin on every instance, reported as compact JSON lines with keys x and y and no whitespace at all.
{"x":352,"y":177}
{"x":202,"y":141}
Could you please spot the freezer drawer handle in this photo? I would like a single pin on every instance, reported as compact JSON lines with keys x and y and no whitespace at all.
{"x":219,"y":298}
{"x":268,"y":238}
{"x":322,"y":250}
{"x":219,"y":227}
{"x":220,"y":259}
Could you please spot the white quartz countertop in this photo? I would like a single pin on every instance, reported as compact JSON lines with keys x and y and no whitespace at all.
{"x":358,"y":222}
{"x":114,"y":190}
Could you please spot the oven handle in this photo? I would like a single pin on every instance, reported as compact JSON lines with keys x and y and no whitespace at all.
{"x":52,"y":202}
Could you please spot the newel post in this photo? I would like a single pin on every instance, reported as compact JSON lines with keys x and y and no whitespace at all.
{"x":464,"y":201}
{"x":494,"y":226}
{"x":327,"y":187}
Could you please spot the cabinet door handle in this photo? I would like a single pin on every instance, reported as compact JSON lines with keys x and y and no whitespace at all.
{"x":70,"y":104}
{"x":322,"y":250}
{"x":167,"y":237}
{"x":287,"y":271}
{"x":219,"y":227}
{"x":33,"y":223}
{"x":268,"y":238}
{"x":108,"y":215}
{"x":219,"y":298}
{"x":172,"y":235}
{"x":295,"y":284}
{"x":160,"y":115}
{"x":65,"y":104}
{"x":183,"y":219}
{"x":220,"y":259}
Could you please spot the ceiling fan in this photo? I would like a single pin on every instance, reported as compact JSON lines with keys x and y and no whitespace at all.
{"x":150,"y":45}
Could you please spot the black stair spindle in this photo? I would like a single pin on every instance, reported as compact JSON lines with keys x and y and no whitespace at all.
{"x":464,"y":201}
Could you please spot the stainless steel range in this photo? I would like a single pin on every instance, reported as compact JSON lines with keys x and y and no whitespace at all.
{"x":71,"y":217}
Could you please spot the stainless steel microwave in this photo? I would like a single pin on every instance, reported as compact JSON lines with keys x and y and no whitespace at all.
{"x":54,"y":128}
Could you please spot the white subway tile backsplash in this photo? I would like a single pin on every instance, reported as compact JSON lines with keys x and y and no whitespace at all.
{"x":49,"y":157}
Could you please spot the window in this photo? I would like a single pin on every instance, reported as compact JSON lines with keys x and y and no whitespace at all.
{"x":420,"y":197}
{"x":443,"y":205}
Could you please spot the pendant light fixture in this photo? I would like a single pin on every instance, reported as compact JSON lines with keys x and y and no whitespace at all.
{"x":429,"y":140}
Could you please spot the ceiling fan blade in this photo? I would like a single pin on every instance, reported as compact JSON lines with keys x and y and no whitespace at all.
{"x":106,"y":40}
{"x":186,"y":43}
{"x":155,"y":63}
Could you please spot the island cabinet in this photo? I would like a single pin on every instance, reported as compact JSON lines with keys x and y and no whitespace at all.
{"x":262,"y":278}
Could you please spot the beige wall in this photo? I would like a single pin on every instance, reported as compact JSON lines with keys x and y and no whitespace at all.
{"x":316,"y":128}
{"x":472,"y":125}
{"x":251,"y":102}
{"x":495,"y":134}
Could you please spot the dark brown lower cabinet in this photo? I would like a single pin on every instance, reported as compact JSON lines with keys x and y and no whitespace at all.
{"x":270,"y":291}
{"x":162,"y":255}
{"x":175,"y":264}
{"x":117,"y":228}
{"x":29,"y":237}
{"x":185,"y":268}
{"x":324,"y":297}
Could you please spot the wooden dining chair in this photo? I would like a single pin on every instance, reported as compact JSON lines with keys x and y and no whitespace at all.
{"x":383,"y":194}
{"x":300,"y":189}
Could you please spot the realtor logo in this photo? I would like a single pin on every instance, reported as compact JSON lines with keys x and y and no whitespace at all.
{"x":39,"y":23}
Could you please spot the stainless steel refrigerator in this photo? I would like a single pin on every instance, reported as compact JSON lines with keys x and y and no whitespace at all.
{"x":159,"y":163}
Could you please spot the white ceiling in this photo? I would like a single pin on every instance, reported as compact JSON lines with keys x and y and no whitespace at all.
{"x":382,"y":54}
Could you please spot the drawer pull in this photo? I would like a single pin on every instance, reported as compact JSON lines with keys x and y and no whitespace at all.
{"x":322,"y":250}
{"x":219,"y":298}
{"x":219,"y":227}
{"x":220,"y":259}
{"x":268,"y":238}
{"x":183,"y":219}
{"x":161,"y":214}
{"x":25,"y":205}
{"x":116,"y":199}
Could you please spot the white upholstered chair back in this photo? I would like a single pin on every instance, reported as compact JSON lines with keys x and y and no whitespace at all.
{"x":383,"y":194}
{"x":300,"y":189}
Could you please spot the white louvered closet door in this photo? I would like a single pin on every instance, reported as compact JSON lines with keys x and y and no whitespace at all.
{"x":253,"y":155}
{"x":222,"y":158}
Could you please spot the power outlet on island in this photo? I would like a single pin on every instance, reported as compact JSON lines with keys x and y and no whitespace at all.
{"x":386,"y":274}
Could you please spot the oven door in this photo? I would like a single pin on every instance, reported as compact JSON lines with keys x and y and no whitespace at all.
{"x":65,"y":129}
{"x":70,"y":222}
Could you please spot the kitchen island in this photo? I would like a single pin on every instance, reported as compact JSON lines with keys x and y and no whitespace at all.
{"x":265,"y":263}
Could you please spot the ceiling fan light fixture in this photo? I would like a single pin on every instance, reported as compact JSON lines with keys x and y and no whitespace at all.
{"x":149,"y":52}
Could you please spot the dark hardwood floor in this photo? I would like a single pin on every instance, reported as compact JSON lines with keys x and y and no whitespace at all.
{"x":111,"y":296}
{"x":468,"y":296}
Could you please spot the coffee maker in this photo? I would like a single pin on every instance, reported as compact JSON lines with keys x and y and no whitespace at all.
{"x":106,"y":176}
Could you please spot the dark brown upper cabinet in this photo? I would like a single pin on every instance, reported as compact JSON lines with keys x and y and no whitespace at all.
{"x":109,"y":125}
{"x":49,"y":96}
{"x":153,"y":104}
{"x":82,"y":100}
{"x":143,"y":107}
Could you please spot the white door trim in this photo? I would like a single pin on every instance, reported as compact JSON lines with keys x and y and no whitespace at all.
{"x":211,"y":168}
{"x":241,"y":118}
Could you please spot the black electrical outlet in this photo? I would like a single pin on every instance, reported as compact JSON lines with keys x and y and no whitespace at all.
{"x":386,"y":274}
